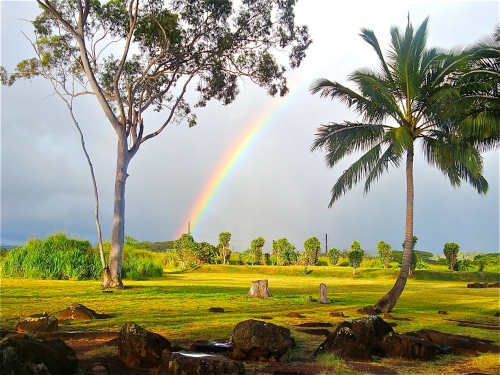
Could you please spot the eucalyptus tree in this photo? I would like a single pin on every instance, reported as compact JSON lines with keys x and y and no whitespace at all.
{"x":414,"y":99}
{"x":137,"y":56}
{"x":223,"y":246}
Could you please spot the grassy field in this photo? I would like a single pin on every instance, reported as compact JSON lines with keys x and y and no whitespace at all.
{"x":176,"y":304}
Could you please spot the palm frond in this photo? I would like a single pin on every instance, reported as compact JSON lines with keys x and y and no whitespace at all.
{"x":330,"y":89}
{"x":369,"y":37}
{"x":391,"y":156}
{"x":382,"y":101}
{"x":456,"y":157}
{"x":341,"y":140}
{"x":356,"y":171}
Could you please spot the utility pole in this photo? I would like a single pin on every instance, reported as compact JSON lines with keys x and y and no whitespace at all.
{"x":189,"y":227}
{"x":326,"y":243}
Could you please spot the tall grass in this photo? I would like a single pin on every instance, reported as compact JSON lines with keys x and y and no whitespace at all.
{"x":141,"y":264}
{"x":59,"y":257}
{"x":56,"y":257}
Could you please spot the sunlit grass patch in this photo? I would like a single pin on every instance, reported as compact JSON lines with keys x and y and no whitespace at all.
{"x":177,"y":305}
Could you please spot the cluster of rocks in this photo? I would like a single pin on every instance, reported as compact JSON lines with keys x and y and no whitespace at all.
{"x":255,"y":340}
{"x":484,"y":285}
{"x":21,"y":353}
{"x":140,"y":348}
{"x":361,"y":339}
{"x":250,"y":340}
{"x":47,"y":323}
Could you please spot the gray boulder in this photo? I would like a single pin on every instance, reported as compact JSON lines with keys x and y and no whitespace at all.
{"x":344,"y":343}
{"x":395,"y":345}
{"x":139,"y":348}
{"x":38,"y":323}
{"x":456,"y":341}
{"x":256,"y":340}
{"x":21,"y":354}
{"x":81,"y":312}
{"x":370,"y":329}
{"x":367,"y":310}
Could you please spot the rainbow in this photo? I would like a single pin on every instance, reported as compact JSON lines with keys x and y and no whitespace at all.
{"x":251,"y":131}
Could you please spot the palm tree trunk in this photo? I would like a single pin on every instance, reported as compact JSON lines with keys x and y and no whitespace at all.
{"x":387,"y":303}
{"x":112,"y":277}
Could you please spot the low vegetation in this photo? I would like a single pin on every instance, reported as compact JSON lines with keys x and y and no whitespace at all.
{"x":59,"y":257}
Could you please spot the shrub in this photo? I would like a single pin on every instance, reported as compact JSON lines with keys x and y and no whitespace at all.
{"x":323,"y":262}
{"x":463,"y":265}
{"x":333,"y":256}
{"x":371,"y":262}
{"x":422,"y":265}
{"x":56,"y":257}
{"x":170,"y":259}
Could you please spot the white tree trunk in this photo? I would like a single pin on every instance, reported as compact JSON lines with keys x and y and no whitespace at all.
{"x":118,"y":229}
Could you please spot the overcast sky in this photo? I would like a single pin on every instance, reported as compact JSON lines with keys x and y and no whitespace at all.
{"x":277,"y":188}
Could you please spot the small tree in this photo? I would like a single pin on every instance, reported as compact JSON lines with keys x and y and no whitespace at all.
{"x":184,"y":248}
{"x":223,"y":246}
{"x":385,"y":253}
{"x":312,"y":248}
{"x":284,"y":252}
{"x":355,"y":256}
{"x":450,"y":252}
{"x":205,"y":253}
{"x":333,"y":256}
{"x":256,"y":254}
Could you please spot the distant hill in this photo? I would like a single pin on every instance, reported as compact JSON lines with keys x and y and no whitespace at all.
{"x":159,"y":247}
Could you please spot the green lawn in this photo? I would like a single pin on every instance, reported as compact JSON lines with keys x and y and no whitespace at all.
{"x":176,"y":305}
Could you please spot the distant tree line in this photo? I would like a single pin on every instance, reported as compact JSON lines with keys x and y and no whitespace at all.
{"x":60,"y":257}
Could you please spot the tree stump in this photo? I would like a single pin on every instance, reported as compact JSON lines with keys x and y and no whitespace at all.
{"x":259,"y":289}
{"x":322,"y":293}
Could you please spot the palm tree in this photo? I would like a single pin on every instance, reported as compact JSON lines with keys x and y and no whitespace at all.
{"x":408,"y":102}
